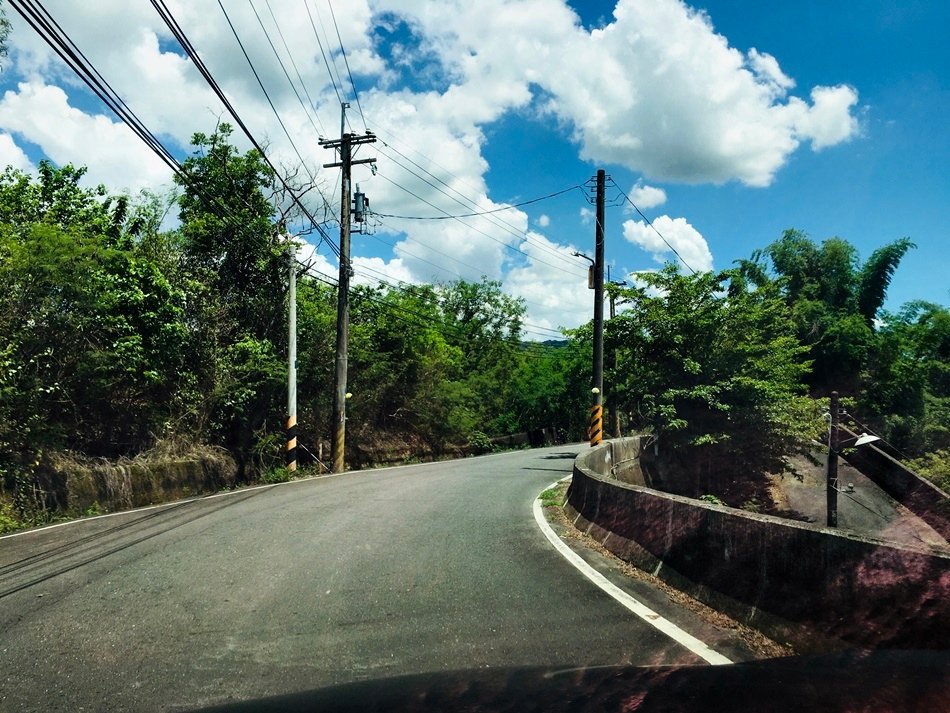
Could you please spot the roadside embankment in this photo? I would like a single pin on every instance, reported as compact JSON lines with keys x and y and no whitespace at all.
{"x":74,"y":484}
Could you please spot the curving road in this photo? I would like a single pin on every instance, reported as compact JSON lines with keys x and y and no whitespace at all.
{"x":295,"y":587}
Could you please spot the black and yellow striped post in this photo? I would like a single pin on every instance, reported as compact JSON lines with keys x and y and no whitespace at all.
{"x":292,"y":443}
{"x":596,"y":429}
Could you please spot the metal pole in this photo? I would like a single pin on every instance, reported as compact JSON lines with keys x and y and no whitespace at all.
{"x":596,"y":429}
{"x":613,"y":415}
{"x":832,"y":475}
{"x":292,"y":361}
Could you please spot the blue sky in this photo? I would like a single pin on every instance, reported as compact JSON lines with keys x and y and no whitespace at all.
{"x":727,"y":125}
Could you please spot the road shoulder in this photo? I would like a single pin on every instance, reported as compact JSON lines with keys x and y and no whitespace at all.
{"x":736,"y":642}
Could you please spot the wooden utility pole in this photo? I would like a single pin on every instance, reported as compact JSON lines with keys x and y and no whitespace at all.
{"x":346,"y":145}
{"x":597,"y":410}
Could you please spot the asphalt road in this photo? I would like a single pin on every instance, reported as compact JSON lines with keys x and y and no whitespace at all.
{"x":368,"y":575}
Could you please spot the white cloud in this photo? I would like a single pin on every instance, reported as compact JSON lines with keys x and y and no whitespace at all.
{"x":13,"y":155}
{"x":647,"y":196}
{"x":828,"y":121}
{"x":42,"y":114}
{"x":766,"y":68}
{"x":671,"y":99}
{"x":554,"y":284}
{"x":373,"y":270}
{"x":317,"y":263}
{"x":682,"y":236}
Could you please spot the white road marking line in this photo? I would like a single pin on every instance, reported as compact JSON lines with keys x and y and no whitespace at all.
{"x":698,"y":647}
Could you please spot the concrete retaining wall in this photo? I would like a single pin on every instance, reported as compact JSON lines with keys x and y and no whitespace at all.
{"x":814,"y":587}
{"x":73,"y":484}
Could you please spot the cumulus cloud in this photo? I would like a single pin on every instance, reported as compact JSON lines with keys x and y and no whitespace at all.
{"x":672,"y":100}
{"x":828,"y":121}
{"x":679,"y":234}
{"x":318,"y":263}
{"x":647,"y":196}
{"x":373,"y":270}
{"x":43,"y":115}
{"x":553,"y":284}
{"x":688,"y":109}
{"x":13,"y":155}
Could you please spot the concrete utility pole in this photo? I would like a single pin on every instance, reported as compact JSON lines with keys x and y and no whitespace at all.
{"x":613,"y":415}
{"x":346,"y":145}
{"x":832,"y":475}
{"x":596,"y":412}
{"x":292,"y":359}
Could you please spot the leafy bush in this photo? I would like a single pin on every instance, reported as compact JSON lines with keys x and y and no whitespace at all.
{"x":480,"y":443}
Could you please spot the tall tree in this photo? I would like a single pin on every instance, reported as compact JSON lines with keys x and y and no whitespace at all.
{"x":834,"y":301}
{"x":236,"y":266}
{"x":717,"y":377}
{"x":93,"y":330}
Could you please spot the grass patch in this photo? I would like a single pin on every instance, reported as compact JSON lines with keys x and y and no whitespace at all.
{"x":554,"y":496}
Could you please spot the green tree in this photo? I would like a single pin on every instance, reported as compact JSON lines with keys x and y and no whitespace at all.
{"x":93,"y":330}
{"x":230,"y":241}
{"x":4,"y":32}
{"x":716,"y":377}
{"x":908,"y":396}
{"x":235,"y":265}
{"x":834,"y":300}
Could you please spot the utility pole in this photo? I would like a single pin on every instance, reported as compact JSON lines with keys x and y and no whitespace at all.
{"x":831,"y":479}
{"x":292,"y":359}
{"x":346,"y":145}
{"x":613,"y":415}
{"x":596,"y":412}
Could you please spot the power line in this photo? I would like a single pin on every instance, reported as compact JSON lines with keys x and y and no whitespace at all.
{"x":479,"y":213}
{"x":260,"y":83}
{"x":472,"y":227}
{"x":650,"y":223}
{"x":283,"y":67}
{"x":500,"y":223}
{"x":182,"y":38}
{"x":323,"y":52}
{"x":310,"y":102}
{"x":50,"y":32}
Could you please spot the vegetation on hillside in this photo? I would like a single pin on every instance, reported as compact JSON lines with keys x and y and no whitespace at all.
{"x":117,"y":335}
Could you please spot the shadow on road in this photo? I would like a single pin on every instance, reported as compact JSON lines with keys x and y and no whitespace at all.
{"x":560,"y":456}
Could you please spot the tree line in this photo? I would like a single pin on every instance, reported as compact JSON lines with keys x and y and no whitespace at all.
{"x":117,"y":334}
